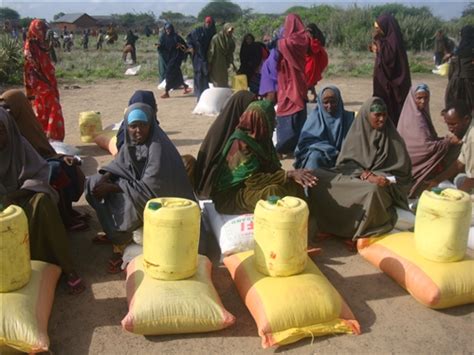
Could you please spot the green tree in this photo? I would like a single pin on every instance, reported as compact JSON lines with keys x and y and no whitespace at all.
{"x":468,"y":10}
{"x":8,"y":14}
{"x":221,"y":10}
{"x":58,"y":15}
{"x":171,"y":16}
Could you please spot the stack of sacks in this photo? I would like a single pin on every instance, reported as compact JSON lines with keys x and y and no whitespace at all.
{"x":431,"y":263}
{"x":169,"y":287}
{"x":26,"y":287}
{"x":279,"y":272}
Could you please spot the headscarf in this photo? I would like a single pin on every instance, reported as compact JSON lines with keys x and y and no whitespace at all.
{"x":293,"y":46}
{"x":466,"y":45}
{"x":250,"y":148}
{"x":316,"y":33}
{"x":25,"y":118}
{"x":324,"y":133}
{"x":380,"y":151}
{"x":250,"y":56}
{"x":216,"y":137}
{"x":139,"y":96}
{"x":22,"y":167}
{"x":37,"y":33}
{"x":391,"y":66}
{"x":149,"y":170}
{"x":426,"y":150}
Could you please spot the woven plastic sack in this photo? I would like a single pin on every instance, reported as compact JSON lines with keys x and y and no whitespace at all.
{"x":107,"y":140}
{"x":287,"y":309}
{"x":173,"y":307}
{"x":24,"y":313}
{"x":212,"y":101}
{"x":433,"y":284}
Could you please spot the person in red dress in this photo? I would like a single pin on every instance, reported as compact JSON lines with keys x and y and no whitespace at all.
{"x":40,"y":81}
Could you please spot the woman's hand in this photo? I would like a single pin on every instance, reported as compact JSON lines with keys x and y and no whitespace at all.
{"x":304,"y":177}
{"x":374,"y":179}
{"x":101,"y":190}
{"x":454,"y":140}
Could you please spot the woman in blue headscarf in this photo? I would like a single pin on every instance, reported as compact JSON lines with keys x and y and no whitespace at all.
{"x":324,"y":131}
{"x":147,"y":166}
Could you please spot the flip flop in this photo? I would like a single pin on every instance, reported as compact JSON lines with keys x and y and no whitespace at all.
{"x":101,"y":239}
{"x":115,"y":264}
{"x":75,"y":285}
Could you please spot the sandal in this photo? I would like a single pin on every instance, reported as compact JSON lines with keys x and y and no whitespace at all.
{"x":115,"y":264}
{"x":165,"y":96}
{"x":187,"y":90}
{"x":75,"y":284}
{"x":101,"y":239}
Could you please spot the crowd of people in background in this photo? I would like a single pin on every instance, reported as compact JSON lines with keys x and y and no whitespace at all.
{"x":353,"y":170}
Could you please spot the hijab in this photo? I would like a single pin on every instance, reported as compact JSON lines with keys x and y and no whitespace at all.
{"x":25,"y":118}
{"x":148,"y":170}
{"x":139,"y":96}
{"x":466,"y":45}
{"x":426,"y":150}
{"x":380,"y":151}
{"x":250,"y":149}
{"x":293,"y":46}
{"x":22,"y":167}
{"x":216,"y":137}
{"x":323,"y":132}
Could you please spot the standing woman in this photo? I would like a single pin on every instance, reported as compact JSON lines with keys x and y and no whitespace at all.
{"x":292,"y":89}
{"x":461,"y":71}
{"x":174,"y":48}
{"x":220,"y":56}
{"x":391,"y":71}
{"x":316,"y":58}
{"x":198,"y":43}
{"x":40,"y":81}
{"x":130,"y":41}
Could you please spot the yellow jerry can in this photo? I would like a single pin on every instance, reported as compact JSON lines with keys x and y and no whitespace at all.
{"x":281,"y":236}
{"x":442,"y":225}
{"x":15,"y":265}
{"x":239,"y":82}
{"x":90,"y":124}
{"x":170,"y":238}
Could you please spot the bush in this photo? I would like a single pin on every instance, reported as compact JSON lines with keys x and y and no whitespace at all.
{"x":11,"y":61}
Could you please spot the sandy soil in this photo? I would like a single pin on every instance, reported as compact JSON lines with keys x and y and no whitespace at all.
{"x":391,"y":320}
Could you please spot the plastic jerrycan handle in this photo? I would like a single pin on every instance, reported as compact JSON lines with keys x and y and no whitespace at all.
{"x":176,"y":203}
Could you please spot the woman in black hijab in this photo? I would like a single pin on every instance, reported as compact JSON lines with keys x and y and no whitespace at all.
{"x":392,"y":79}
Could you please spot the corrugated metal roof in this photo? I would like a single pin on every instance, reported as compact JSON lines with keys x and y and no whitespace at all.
{"x":70,"y":18}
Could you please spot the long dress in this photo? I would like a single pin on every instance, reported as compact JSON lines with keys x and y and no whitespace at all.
{"x":249,"y":169}
{"x":429,"y":154}
{"x":142,"y":171}
{"x":170,"y":45}
{"x":22,"y":168}
{"x":220,"y":56}
{"x":199,"y":40}
{"x":323,"y":134}
{"x":216,"y":137}
{"x":40,"y":81}
{"x":292,"y":89}
{"x":392,"y":79}
{"x":461,"y":70}
{"x":342,"y":203}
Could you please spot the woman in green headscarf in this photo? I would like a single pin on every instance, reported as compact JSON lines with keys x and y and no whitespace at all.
{"x":372,"y":176}
{"x":249,"y":169}
{"x":220,"y":56}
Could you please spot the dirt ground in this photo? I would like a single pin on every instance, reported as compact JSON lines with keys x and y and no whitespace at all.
{"x":391,"y":320}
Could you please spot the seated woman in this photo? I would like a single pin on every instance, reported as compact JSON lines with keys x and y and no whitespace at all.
{"x":324,"y":131}
{"x":147,"y":166}
{"x":372,"y":176}
{"x":216,"y":137}
{"x":249,"y":169}
{"x":66,"y":176}
{"x":24,"y":182}
{"x":430,"y":155}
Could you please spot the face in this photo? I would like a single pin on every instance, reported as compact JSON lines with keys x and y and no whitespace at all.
{"x":138,"y":132}
{"x":329,"y":101}
{"x":249,"y":39}
{"x":377,"y":120}
{"x":3,"y":136}
{"x":422,"y":100}
{"x":378,"y":31}
{"x":456,"y":125}
{"x":168,"y":30}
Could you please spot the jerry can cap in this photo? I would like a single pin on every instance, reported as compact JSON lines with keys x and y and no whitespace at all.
{"x":273,"y":199}
{"x":154,"y":206}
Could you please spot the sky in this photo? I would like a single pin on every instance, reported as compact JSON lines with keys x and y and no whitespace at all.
{"x":47,"y":9}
